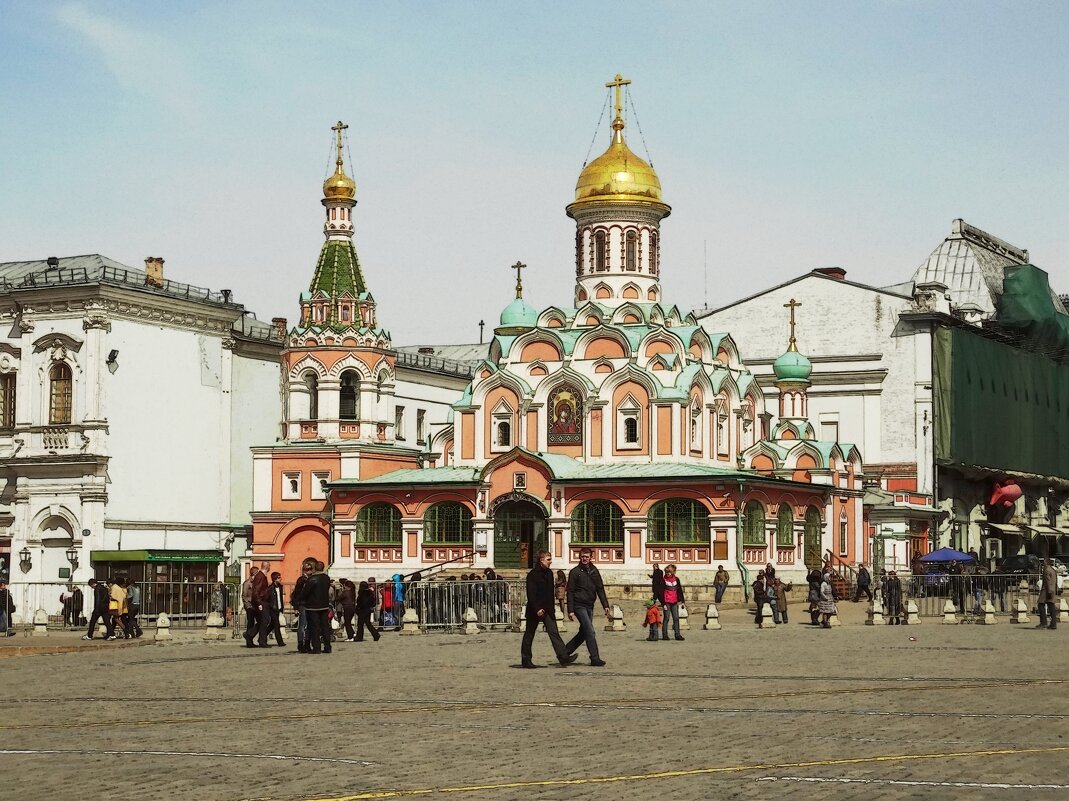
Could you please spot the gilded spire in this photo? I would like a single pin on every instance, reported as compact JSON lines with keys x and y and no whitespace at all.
{"x":339,"y":185}
{"x":518,"y":266}
{"x":619,"y":82}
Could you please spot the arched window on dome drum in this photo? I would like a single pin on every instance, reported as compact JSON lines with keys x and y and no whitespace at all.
{"x":678,"y":520}
{"x":348,"y":404}
{"x":378,"y":523}
{"x":597,"y":522}
{"x":60,"y":394}
{"x":785,"y":527}
{"x":311,"y":381}
{"x":601,"y":251}
{"x":631,"y":262}
{"x":753,"y":523}
{"x":447,"y":522}
{"x":655,"y":254}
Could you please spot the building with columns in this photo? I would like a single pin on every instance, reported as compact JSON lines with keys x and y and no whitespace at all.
{"x":128,"y":403}
{"x":613,"y":422}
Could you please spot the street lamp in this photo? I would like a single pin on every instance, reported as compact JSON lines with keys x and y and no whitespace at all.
{"x":24,"y":560}
{"x":72,"y":557}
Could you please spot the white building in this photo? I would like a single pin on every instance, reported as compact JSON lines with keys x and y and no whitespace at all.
{"x":128,"y":404}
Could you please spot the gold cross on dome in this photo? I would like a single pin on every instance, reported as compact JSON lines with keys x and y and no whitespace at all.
{"x":618,"y":82}
{"x":518,"y":266}
{"x":338,"y":128}
{"x":792,"y":343}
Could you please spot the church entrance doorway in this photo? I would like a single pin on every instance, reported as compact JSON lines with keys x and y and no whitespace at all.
{"x":812,"y":539}
{"x":519,"y":534}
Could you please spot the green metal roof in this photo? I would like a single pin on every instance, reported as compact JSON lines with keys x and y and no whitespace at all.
{"x":338,"y":270}
{"x":430,"y":475}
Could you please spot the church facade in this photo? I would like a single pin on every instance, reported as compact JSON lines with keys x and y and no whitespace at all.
{"x":614,"y":422}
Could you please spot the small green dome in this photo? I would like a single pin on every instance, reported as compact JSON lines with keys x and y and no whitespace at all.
{"x":792,"y":366}
{"x":519,"y":314}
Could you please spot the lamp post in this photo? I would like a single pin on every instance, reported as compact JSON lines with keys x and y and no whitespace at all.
{"x":25,"y":562}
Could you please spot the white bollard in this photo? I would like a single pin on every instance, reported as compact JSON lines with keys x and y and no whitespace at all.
{"x":712,"y":618}
{"x":617,"y":621}
{"x":471,"y":622}
{"x":875,"y":616}
{"x":410,"y":622}
{"x":766,"y":616}
{"x":950,"y":616}
{"x":684,"y":619}
{"x":989,"y":615}
{"x":163,"y":628}
{"x":40,"y":623}
{"x":1062,"y":612}
{"x":214,"y":627}
{"x":562,"y":621}
{"x":1020,"y":612}
{"x":913,"y":613}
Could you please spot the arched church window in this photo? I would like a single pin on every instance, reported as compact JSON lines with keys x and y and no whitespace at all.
{"x":631,"y":430}
{"x":378,"y":523}
{"x":60,"y":394}
{"x":678,"y":520}
{"x":601,"y":251}
{"x":753,"y":523}
{"x":632,"y":251}
{"x":447,"y":522}
{"x":311,"y":381}
{"x":504,"y":434}
{"x":345,"y":314}
{"x":655,"y":254}
{"x":7,"y":400}
{"x":348,"y":394}
{"x":597,"y":522}
{"x":785,"y":527}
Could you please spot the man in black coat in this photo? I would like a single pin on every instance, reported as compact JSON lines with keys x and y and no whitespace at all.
{"x":274,"y":603}
{"x":540,"y":609}
{"x":100,"y":607}
{"x":316,"y":600}
{"x":584,"y":588}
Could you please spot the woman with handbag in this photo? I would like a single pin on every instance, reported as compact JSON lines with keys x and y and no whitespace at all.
{"x":116,"y":608}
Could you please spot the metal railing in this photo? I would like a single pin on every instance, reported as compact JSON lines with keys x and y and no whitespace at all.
{"x":969,"y":592}
{"x":440,"y":605}
{"x":422,"y":361}
{"x":70,"y":606}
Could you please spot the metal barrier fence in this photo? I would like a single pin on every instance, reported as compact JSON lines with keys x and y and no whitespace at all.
{"x":969,"y":592}
{"x":440,"y":605}
{"x":71,"y":605}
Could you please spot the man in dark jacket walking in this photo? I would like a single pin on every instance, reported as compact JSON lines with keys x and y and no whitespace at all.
{"x":540,"y":606}
{"x":252,"y":598}
{"x":584,"y":587}
{"x":7,"y":607}
{"x":316,"y":600}
{"x":308,"y":567}
{"x":864,"y":581}
{"x":100,"y":607}
{"x":274,"y":603}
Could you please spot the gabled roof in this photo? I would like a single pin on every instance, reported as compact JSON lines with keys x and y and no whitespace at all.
{"x":703,"y":313}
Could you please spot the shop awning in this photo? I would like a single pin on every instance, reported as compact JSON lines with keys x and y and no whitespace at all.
{"x":155,"y":556}
{"x":1048,"y":531}
{"x":1006,"y":528}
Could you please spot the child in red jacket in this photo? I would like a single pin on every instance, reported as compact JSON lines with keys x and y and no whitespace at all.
{"x":653,"y":619}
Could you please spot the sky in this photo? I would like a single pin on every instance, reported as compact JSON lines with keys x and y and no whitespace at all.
{"x":787,"y":136}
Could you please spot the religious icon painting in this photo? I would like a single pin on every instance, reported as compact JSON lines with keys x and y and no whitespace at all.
{"x":565,"y":416}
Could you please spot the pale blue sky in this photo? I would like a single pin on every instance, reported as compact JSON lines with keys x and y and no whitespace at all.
{"x":787,"y":135}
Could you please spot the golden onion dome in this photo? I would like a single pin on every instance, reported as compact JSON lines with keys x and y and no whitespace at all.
{"x":339,"y":185}
{"x":618,"y":175}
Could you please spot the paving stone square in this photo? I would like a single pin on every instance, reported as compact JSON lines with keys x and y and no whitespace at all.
{"x":926,"y":711}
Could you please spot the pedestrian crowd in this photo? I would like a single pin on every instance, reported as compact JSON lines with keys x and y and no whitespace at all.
{"x":116,"y":604}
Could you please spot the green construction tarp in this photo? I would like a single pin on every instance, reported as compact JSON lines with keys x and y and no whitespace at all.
{"x":999,"y":407}
{"x":1027,"y":307}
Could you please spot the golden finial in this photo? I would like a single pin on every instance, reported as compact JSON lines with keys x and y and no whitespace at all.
{"x":792,"y":344}
{"x":518,"y":266}
{"x":619,"y":82}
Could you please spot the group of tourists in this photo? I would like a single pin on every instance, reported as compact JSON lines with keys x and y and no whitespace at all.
{"x":324,"y":608}
{"x":769,"y":589}
{"x":116,"y":604}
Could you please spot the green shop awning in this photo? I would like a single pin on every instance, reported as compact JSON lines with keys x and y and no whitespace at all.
{"x":155,"y":556}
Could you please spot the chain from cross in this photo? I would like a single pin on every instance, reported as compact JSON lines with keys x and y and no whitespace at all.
{"x":618,"y":82}
{"x":518,"y":266}
{"x":341,"y":126}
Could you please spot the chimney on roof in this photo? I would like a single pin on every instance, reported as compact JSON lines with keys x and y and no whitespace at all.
{"x":53,"y":263}
{"x":427,"y":351}
{"x":154,"y":271}
{"x":279,"y":324}
{"x":838,"y":273}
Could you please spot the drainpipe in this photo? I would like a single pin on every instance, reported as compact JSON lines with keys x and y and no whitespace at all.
{"x":738,"y":546}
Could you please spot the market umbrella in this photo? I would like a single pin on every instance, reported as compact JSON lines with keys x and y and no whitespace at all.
{"x":947,"y":555}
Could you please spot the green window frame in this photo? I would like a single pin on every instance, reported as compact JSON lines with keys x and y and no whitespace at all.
{"x":785,"y":527}
{"x":447,"y":522}
{"x":753,"y":523}
{"x":378,"y":524}
{"x":678,"y":520}
{"x":597,"y":522}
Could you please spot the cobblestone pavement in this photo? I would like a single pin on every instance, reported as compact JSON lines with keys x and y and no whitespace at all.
{"x":930,"y":711}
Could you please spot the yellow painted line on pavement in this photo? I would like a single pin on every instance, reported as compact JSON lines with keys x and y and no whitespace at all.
{"x":675,"y":774}
{"x":620,"y":703}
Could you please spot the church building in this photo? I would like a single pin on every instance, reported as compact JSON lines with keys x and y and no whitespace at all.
{"x":613,"y":421}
